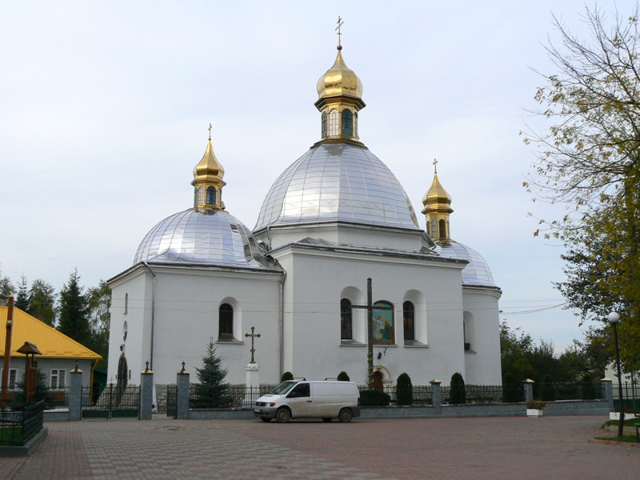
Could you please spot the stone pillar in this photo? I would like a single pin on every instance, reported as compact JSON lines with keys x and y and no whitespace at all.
{"x":252,"y":384}
{"x":528,"y":389}
{"x":436,"y":395}
{"x":607,"y":391}
{"x":75,"y":395}
{"x":146,"y":394}
{"x":183,"y":395}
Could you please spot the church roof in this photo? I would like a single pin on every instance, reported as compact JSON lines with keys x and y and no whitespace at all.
{"x":477,"y":272}
{"x":337,"y":182}
{"x":50,"y":342}
{"x":203,"y":237}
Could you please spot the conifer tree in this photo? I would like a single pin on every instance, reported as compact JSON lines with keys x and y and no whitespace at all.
{"x":212,"y":391}
{"x":23,"y":299}
{"x":74,"y":321}
{"x":42,"y":304}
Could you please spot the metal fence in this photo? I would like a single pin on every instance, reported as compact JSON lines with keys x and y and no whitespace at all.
{"x":113,"y":402}
{"x":18,"y":426}
{"x":568,"y":391}
{"x":58,"y":398}
{"x":235,"y":396}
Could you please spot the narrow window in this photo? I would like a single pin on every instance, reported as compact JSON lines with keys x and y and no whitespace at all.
{"x":126,"y":303}
{"x":347,"y":122}
{"x":333,"y":123}
{"x":443,"y":229}
{"x":225,"y":322}
{"x":324,"y":125}
{"x":346,"y":320}
{"x":408,"y":314}
{"x":383,"y":324}
{"x":434,"y":229}
{"x":211,"y":195}
{"x":13,"y":375}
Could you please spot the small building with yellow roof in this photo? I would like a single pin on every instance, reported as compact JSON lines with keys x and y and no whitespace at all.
{"x":59,"y":352}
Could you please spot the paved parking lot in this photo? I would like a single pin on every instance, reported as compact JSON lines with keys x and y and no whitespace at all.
{"x":443,"y":448}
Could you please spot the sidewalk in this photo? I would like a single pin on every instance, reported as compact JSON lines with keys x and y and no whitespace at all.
{"x":443,"y":448}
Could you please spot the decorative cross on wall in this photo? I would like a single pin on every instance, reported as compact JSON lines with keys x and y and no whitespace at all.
{"x":253,"y":337}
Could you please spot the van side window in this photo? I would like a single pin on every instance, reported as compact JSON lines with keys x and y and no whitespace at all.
{"x":300,"y":390}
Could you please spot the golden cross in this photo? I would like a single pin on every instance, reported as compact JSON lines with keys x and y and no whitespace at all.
{"x":435,"y":165}
{"x":253,"y":337}
{"x":340,"y":22}
{"x":209,"y":132}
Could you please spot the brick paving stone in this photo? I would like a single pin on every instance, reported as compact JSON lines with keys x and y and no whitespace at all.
{"x":447,"y":448}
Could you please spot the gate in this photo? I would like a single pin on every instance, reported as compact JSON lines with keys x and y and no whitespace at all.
{"x":172,"y":401}
{"x":113,"y":402}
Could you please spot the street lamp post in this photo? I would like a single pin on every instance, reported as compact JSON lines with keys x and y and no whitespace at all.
{"x":614,"y":318}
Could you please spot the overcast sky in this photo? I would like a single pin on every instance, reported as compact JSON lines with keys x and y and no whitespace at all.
{"x":105,"y":108}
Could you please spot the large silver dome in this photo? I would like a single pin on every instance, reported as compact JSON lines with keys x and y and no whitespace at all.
{"x":201,"y":237}
{"x":477,"y":272}
{"x":337,"y":182}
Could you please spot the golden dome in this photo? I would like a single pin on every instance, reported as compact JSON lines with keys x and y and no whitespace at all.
{"x":436,"y":194}
{"x":208,"y":168}
{"x":339,"y":80}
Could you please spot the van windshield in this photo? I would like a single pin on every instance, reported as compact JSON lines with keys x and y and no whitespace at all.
{"x":283,"y":388}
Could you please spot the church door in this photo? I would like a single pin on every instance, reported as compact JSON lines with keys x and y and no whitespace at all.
{"x":377,"y":381}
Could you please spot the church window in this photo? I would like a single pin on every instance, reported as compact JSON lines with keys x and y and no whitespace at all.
{"x":126,"y":303}
{"x":211,"y":195}
{"x":324,"y":125}
{"x":225,"y":322}
{"x":408,"y":314}
{"x":443,"y":229}
{"x":355,"y":125}
{"x":200,"y":199}
{"x":434,"y":229}
{"x":383,"y":324}
{"x":333,"y":123}
{"x":347,"y":122}
{"x":346,"y":320}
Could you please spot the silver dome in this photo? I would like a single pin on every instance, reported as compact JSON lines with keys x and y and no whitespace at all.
{"x":209,"y":237}
{"x":477,"y":272}
{"x":337,"y":182}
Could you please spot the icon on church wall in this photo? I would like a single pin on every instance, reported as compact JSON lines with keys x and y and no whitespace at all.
{"x":383,"y":327}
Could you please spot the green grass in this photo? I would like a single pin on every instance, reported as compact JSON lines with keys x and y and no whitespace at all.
{"x":628,"y":422}
{"x":625,"y":438}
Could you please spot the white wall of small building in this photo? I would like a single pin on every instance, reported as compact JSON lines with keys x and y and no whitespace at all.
{"x":46,"y":365}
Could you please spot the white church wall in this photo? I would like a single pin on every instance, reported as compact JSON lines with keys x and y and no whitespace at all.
{"x":130,"y":305}
{"x":482,"y":360}
{"x":319,"y":279}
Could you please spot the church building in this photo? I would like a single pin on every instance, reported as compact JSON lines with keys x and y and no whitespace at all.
{"x":334,"y":218}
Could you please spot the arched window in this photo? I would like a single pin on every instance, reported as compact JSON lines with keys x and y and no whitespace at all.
{"x":409,"y":315}
{"x":200,"y":199}
{"x":434,"y":229}
{"x":383,"y":324}
{"x":211,"y":195}
{"x":324,"y":125}
{"x":346,"y":320}
{"x":333,"y":123}
{"x":443,"y":229}
{"x":225,"y":322}
{"x":347,"y":122}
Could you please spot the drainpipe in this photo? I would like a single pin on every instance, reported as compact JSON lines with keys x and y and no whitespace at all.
{"x":153,"y":308}
{"x":284,"y":277}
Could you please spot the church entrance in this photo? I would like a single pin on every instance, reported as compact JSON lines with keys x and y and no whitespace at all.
{"x":377,"y":381}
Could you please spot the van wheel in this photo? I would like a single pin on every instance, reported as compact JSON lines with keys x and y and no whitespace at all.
{"x":265,"y":419}
{"x":326,"y":419}
{"x":345,"y":415}
{"x":283,"y":415}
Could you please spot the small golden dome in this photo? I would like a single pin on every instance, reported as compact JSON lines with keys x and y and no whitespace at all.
{"x":339,"y":80}
{"x":208,"y":168}
{"x":436,"y":194}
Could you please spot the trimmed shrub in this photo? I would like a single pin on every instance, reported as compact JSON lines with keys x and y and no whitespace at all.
{"x":343,"y":377}
{"x":510,"y":389}
{"x":286,"y":376}
{"x":404,"y":390}
{"x":548,"y":393}
{"x":374,"y":398}
{"x":457,"y":393}
{"x":588,"y":390}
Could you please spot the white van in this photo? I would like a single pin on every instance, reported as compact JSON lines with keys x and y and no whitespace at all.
{"x":305,"y":399}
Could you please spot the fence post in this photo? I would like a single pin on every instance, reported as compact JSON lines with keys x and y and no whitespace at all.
{"x":182,"y":399}
{"x":528,"y":389}
{"x":146,"y":394}
{"x":436,"y":395}
{"x":607,"y":391}
{"x":75,"y":395}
